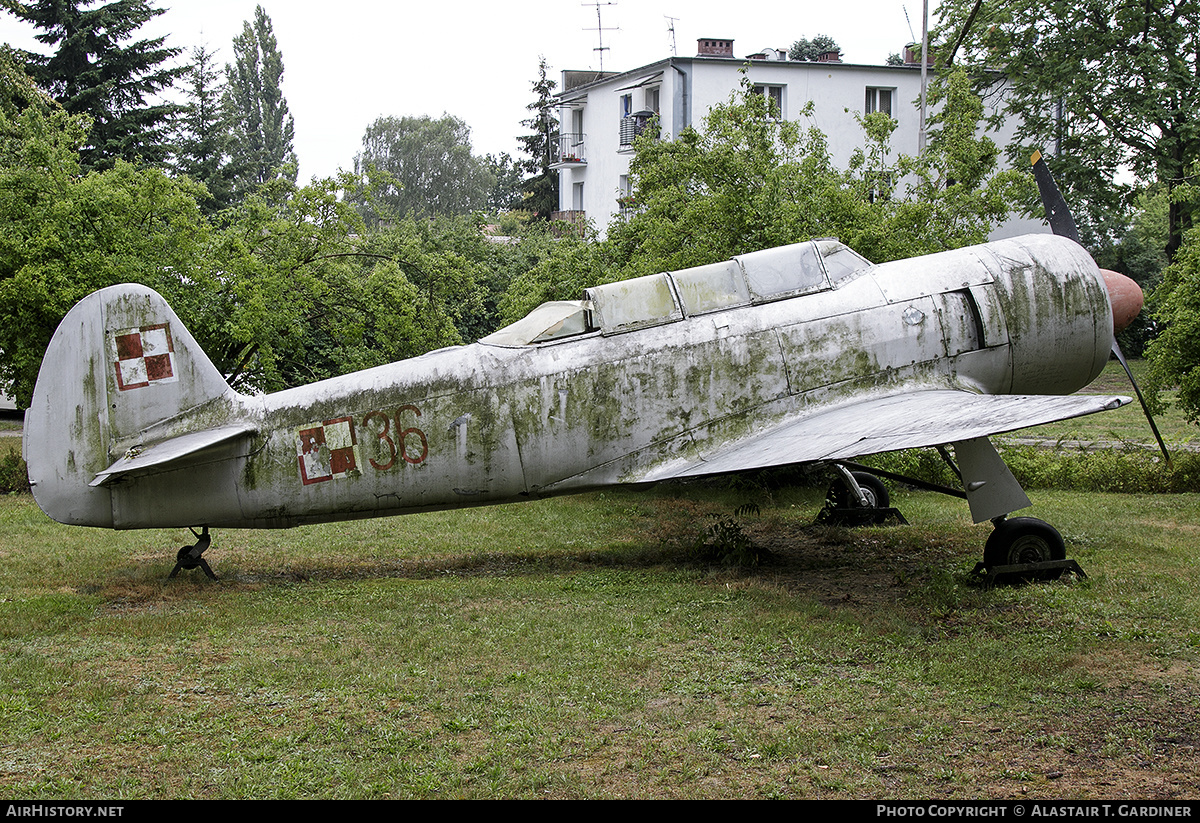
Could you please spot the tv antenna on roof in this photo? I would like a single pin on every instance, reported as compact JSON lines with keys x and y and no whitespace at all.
{"x":909,"y":21}
{"x":600,"y":28}
{"x":671,"y":29}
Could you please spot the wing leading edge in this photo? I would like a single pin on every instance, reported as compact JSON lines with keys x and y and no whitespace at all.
{"x":887,"y":423}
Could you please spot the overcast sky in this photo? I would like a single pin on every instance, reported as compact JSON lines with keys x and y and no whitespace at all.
{"x":350,"y":61}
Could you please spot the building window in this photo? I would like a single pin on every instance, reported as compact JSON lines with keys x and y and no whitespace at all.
{"x":774,"y":95}
{"x":879,"y":100}
{"x":626,"y":105}
{"x":652,"y":99}
{"x":577,"y":197}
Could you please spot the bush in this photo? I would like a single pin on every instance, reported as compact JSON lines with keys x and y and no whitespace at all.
{"x":1128,"y":471}
{"x":13,"y":476}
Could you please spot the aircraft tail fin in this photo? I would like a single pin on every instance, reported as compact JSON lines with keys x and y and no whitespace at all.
{"x":121,"y":371}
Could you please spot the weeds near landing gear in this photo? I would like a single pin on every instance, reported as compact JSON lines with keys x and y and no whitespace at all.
{"x":726,"y":542}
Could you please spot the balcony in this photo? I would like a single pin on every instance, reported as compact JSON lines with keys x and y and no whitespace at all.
{"x":570,"y":151}
{"x":633,"y":125}
{"x":568,"y":222}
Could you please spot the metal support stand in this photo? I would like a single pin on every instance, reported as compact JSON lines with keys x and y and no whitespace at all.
{"x":1018,"y":572}
{"x":189,"y":557}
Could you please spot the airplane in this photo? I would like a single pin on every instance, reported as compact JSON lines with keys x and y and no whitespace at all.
{"x":805,"y":353}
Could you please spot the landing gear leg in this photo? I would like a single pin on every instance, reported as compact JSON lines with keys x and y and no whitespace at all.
{"x":189,"y":557}
{"x":857,"y":499}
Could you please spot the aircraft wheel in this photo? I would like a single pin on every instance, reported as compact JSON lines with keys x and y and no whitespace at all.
{"x":842,"y":498}
{"x":1023,"y":540}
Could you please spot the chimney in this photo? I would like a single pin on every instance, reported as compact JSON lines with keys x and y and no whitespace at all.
{"x":714,"y":47}
{"x":912,"y":55}
{"x":829,"y":57}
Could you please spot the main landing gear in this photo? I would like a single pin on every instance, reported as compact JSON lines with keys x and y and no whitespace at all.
{"x":857,"y":498}
{"x":1018,"y":549}
{"x":1024,"y":548}
{"x":189,"y":557}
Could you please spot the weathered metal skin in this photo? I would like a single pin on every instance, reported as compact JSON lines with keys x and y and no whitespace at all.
{"x":143,"y":432}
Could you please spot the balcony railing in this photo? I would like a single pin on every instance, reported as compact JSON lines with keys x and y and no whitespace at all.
{"x":570,"y":150}
{"x":633,"y":125}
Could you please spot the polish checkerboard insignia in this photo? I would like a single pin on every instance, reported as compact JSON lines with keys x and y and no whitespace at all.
{"x":144,"y":355}
{"x":327,"y":450}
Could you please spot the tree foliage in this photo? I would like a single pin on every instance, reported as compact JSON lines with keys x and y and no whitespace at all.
{"x":1174,"y":353}
{"x":1103,"y":86}
{"x":95,"y":71}
{"x":805,"y":49}
{"x":286,"y":288}
{"x":507,"y":193}
{"x":263,"y":129}
{"x":421,"y":166}
{"x":541,"y":186}
{"x":204,"y":131}
{"x":68,"y":233}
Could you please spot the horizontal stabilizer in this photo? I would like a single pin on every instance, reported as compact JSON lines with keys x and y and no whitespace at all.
{"x":170,"y":453}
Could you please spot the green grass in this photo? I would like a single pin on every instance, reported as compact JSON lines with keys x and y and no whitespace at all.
{"x":569,"y":648}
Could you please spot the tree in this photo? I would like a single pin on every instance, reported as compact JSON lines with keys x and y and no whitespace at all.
{"x":92,"y":73}
{"x":204,"y":133}
{"x":421,"y":166}
{"x":263,"y":129}
{"x":17,"y":89}
{"x":805,"y":49}
{"x":1105,"y":87}
{"x":541,"y":188}
{"x":67,"y":233}
{"x":507,"y":193}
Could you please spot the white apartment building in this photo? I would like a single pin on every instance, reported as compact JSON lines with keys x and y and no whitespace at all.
{"x":600,"y":115}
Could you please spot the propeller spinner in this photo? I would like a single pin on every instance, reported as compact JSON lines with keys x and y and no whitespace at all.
{"x":1124,"y":294}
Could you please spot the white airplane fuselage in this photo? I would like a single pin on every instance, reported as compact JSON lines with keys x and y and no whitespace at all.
{"x":492,"y":422}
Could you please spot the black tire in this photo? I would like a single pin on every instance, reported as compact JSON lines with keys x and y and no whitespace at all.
{"x":1023,"y":540}
{"x":840,"y":497}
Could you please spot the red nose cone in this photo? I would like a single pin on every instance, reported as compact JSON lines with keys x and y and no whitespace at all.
{"x":1125,"y":296}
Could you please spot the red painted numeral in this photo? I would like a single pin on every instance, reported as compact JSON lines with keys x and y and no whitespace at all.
{"x":406,"y":442}
{"x":404,"y":435}
{"x":383,"y":436}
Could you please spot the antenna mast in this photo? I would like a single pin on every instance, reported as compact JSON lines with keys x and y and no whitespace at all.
{"x":671,"y":29}
{"x":600,"y":28}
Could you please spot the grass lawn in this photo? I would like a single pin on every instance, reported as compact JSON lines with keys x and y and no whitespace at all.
{"x":573,"y":648}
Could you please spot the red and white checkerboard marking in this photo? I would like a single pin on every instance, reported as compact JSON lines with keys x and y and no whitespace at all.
{"x":145,"y":355}
{"x":327,"y":450}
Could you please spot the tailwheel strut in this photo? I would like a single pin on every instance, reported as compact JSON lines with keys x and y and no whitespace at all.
{"x":189,"y":557}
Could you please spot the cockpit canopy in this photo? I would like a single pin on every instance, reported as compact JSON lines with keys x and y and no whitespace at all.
{"x":748,"y":279}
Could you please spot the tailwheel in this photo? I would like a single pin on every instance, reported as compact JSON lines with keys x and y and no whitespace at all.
{"x":1025,"y":548}
{"x":189,"y":557}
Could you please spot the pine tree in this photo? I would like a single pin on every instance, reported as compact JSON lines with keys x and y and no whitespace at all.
{"x":263,"y":130}
{"x":541,"y":190}
{"x":92,"y":73}
{"x":204,"y":132}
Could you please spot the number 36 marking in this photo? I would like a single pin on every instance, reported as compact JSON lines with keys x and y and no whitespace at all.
{"x":408,"y":443}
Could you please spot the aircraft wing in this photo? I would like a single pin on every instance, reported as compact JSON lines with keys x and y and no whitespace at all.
{"x":887,"y":423}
